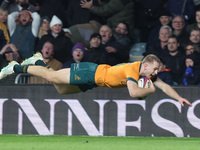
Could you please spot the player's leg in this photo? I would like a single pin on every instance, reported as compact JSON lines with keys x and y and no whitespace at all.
{"x":14,"y":66}
{"x":58,"y":77}
{"x":66,"y":88}
{"x":42,"y":69}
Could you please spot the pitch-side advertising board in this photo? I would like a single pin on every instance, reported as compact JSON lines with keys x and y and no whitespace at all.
{"x":40,"y":109}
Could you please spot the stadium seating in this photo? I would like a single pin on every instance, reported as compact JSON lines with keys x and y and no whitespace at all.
{"x":25,"y":78}
{"x":136,"y":52}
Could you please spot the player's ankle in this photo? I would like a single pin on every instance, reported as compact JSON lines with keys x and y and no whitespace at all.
{"x":20,"y":68}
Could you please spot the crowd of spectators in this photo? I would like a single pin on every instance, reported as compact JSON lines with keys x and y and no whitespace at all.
{"x":103,"y":32}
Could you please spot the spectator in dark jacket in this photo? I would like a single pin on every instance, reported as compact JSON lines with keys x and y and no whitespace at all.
{"x":7,"y":54}
{"x":164,"y":19}
{"x":181,"y":7}
{"x":192,"y":72}
{"x":121,"y":35}
{"x":53,"y":7}
{"x":62,"y":44}
{"x":194,"y":37}
{"x":147,"y":16}
{"x":114,"y":51}
{"x":115,"y":11}
{"x":178,"y":27}
{"x":174,"y":59}
{"x":195,"y":25}
{"x":161,"y":44}
{"x":76,"y":15}
{"x":95,"y":53}
{"x":17,"y":6}
{"x":78,"y":51}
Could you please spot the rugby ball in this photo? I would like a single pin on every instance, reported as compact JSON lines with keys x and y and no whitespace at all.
{"x":143,"y":82}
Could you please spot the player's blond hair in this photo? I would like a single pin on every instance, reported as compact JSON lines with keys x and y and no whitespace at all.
{"x":151,"y":58}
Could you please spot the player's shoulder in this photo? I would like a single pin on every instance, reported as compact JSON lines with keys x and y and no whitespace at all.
{"x":132,"y":64}
{"x":136,"y":64}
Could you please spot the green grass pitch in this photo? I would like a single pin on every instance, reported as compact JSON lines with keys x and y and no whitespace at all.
{"x":63,"y":142}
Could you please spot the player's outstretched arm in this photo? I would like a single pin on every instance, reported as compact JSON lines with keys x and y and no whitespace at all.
{"x":136,"y":91}
{"x":167,"y":89}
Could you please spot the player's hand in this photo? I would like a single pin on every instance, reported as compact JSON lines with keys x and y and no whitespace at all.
{"x":183,"y":100}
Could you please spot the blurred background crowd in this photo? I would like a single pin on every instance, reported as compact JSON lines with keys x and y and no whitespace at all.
{"x":104,"y":32}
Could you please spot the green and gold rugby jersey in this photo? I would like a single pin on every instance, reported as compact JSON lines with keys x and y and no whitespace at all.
{"x":117,"y":76}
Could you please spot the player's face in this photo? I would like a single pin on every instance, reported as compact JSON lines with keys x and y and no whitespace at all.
{"x":151,"y":69}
